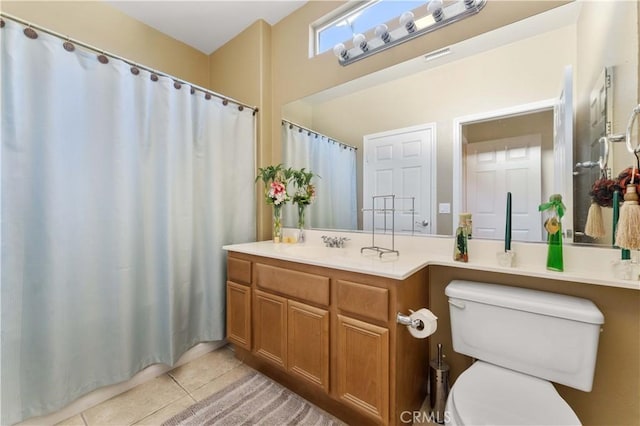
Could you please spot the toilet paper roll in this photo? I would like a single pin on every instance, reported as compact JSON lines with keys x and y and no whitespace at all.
{"x":429,"y":323}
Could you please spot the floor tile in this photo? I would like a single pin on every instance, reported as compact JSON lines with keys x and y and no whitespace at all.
{"x":167,"y":412}
{"x":135,"y":404}
{"x":72,"y":421}
{"x":203,"y":370}
{"x":229,"y":377}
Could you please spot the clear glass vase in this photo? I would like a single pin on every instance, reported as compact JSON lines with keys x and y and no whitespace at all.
{"x":301,"y":212}
{"x":277,"y":224}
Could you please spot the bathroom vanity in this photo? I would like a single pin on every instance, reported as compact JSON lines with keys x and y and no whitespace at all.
{"x":329,"y":334}
{"x":322,"y":321}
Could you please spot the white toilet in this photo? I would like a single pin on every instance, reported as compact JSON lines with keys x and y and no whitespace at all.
{"x":522,"y":340}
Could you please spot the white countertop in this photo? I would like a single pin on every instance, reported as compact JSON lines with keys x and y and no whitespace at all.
{"x":586,"y":265}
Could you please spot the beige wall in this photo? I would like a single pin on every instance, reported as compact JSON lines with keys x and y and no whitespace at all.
{"x":241,"y":69}
{"x":102,"y":26}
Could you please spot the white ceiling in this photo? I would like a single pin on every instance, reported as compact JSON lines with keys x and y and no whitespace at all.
{"x":206,"y":24}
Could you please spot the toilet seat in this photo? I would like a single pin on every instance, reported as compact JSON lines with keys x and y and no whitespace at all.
{"x":486,"y":394}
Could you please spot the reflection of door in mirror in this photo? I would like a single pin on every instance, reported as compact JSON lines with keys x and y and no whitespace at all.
{"x":399,"y":162}
{"x":601,"y":113}
{"x":496,"y":167}
{"x":512,"y":153}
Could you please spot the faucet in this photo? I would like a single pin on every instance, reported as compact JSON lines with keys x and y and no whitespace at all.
{"x":334,"y":241}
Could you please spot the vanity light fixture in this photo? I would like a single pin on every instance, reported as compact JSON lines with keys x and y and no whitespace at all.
{"x":360,"y":41}
{"x":341,"y":52}
{"x":435,"y":9}
{"x":382,"y":32}
{"x":407,"y":21}
{"x":439,"y":15}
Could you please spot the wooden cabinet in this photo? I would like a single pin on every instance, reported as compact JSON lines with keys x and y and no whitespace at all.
{"x":330,"y":335}
{"x":308,"y":343}
{"x":239,"y":314}
{"x":270,"y":327}
{"x":363,"y":367}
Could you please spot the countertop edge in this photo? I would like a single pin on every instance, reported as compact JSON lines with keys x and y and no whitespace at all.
{"x":420,"y":264}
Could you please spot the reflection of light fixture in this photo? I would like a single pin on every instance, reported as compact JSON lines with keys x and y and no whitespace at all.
{"x":382,"y":32}
{"x":406,"y":20}
{"x":439,"y":15}
{"x":359,"y":40}
{"x":341,"y":52}
{"x":435,"y":9}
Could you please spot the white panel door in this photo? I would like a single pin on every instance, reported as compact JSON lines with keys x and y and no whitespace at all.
{"x":399,"y":163}
{"x":496,"y":167}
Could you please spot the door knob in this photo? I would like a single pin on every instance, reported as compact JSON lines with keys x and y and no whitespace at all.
{"x":423,"y":223}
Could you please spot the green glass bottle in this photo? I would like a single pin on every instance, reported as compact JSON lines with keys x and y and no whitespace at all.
{"x":461,"y":240}
{"x":553,"y":225}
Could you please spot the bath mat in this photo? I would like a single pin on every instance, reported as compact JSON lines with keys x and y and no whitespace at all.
{"x":253,"y":400}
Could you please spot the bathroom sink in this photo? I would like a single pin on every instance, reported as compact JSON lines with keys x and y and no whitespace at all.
{"x":312,"y":252}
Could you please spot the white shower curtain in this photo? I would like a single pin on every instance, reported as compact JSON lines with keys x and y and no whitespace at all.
{"x":336,"y":197}
{"x":117,"y":195}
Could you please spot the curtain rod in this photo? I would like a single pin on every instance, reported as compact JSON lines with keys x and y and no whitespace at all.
{"x":309,"y":131}
{"x":225,"y":99}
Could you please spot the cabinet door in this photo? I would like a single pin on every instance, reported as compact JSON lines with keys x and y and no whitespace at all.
{"x":239,"y":315}
{"x":270,"y":327}
{"x":308,"y":343}
{"x":363,"y":367}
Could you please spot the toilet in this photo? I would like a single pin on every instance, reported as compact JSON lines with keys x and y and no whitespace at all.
{"x":522,"y":340}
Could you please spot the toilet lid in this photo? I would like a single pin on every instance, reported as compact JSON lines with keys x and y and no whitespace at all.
{"x":489,"y":395}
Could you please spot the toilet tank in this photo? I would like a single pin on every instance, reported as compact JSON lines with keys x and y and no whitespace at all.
{"x":547,"y":335}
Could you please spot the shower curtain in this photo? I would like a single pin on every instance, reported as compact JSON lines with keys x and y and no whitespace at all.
{"x":336,"y":197}
{"x":117,"y":194}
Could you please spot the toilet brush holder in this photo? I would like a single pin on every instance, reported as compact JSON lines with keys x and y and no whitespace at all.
{"x":439,"y":383}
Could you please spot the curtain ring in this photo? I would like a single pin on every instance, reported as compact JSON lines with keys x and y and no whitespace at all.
{"x":135,"y":70}
{"x":225,"y":102}
{"x":30,"y":32}
{"x":177,"y":85}
{"x":1,"y":23}
{"x":240,"y":108}
{"x":102,"y":58}
{"x":193,"y":90}
{"x":68,"y":46}
{"x":154,"y":77}
{"x":255,"y":111}
{"x":207,"y":96}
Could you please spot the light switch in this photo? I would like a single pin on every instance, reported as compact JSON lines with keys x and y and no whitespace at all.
{"x":444,"y":208}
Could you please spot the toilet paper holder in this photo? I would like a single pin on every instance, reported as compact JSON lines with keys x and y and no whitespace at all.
{"x":406,"y":320}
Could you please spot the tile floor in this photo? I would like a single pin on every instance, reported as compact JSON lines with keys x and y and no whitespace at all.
{"x":158,"y":400}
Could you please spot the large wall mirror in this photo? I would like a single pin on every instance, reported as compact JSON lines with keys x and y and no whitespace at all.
{"x":523,"y":92}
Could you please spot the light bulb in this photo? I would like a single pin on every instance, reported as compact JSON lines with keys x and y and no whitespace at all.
{"x":435,"y":9}
{"x":359,"y":40}
{"x":406,"y":20}
{"x":382,"y":31}
{"x":341,"y":52}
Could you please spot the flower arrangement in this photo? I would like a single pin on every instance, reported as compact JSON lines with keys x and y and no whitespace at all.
{"x":275,"y":180}
{"x":305,"y":192}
